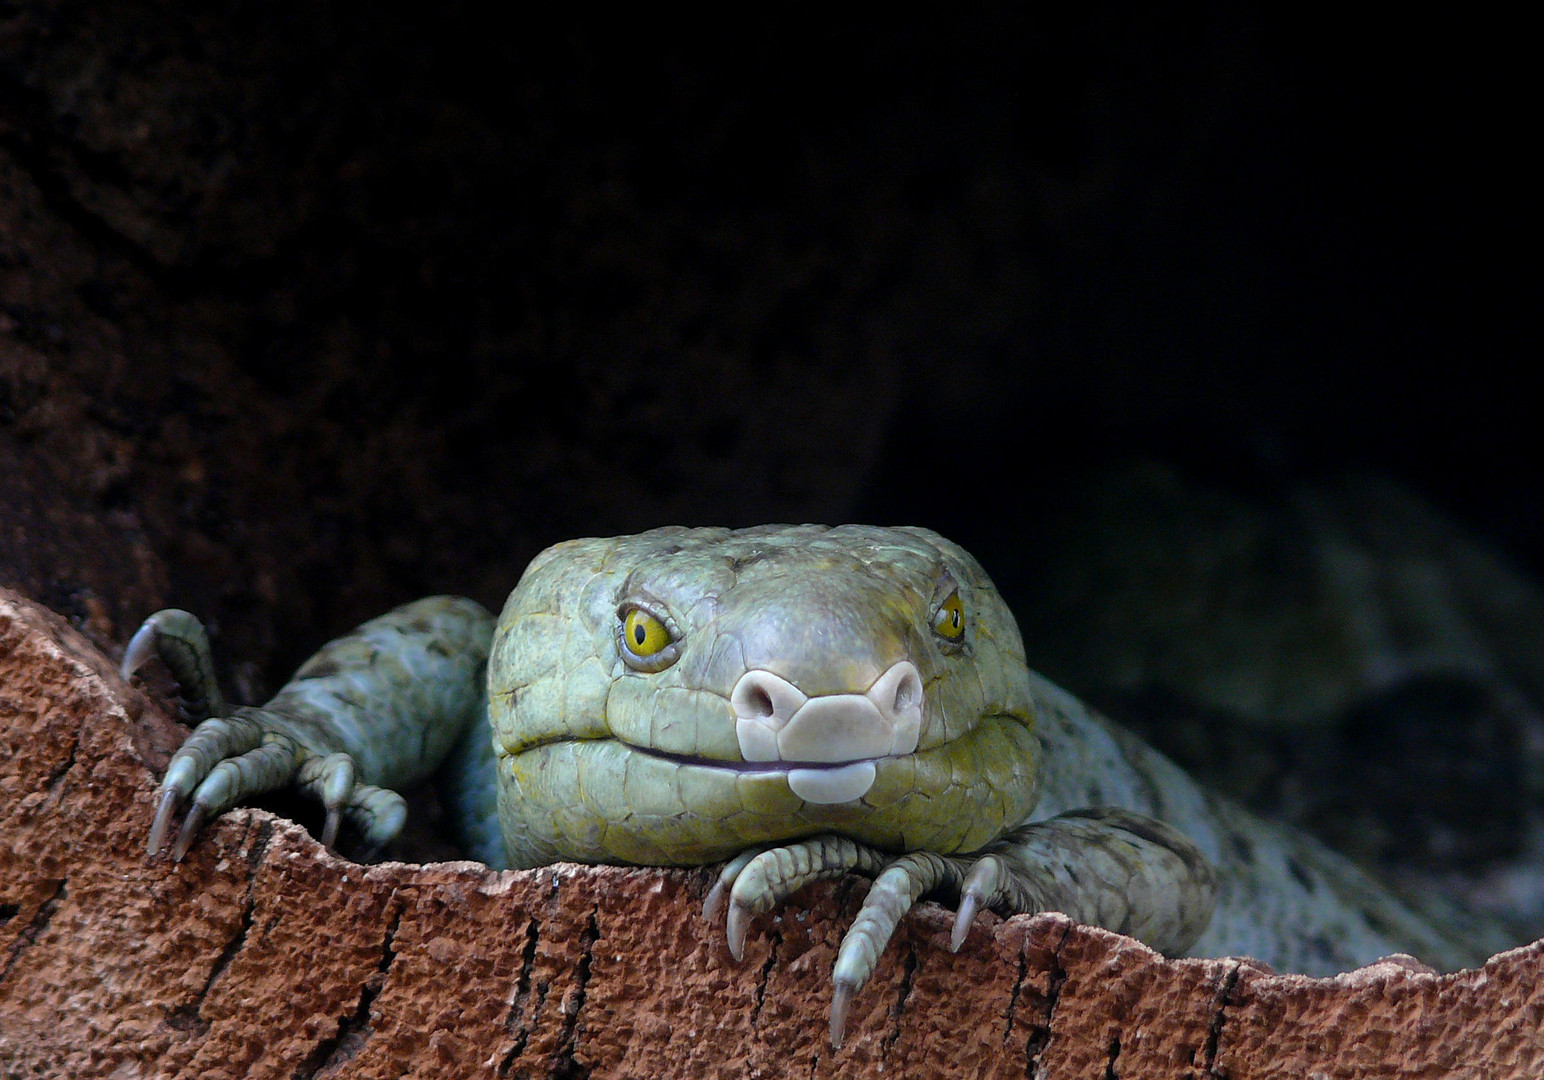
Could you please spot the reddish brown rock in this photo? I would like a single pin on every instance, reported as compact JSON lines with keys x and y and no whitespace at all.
{"x":263,"y":955}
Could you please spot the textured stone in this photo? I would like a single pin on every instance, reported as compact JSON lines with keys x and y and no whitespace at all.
{"x":264,"y":955}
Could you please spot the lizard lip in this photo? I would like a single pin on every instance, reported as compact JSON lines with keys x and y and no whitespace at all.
{"x":823,"y":782}
{"x":750,"y":766}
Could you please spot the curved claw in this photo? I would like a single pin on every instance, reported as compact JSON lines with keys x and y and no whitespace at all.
{"x":981,"y":887}
{"x":963,"y":917}
{"x":190,"y":826}
{"x":239,"y":753}
{"x":735,"y":928}
{"x":179,"y":639}
{"x":841,"y":1002}
{"x":330,"y":827}
{"x":333,"y":781}
{"x":713,"y":903}
{"x":378,"y":813}
{"x":757,"y":881}
{"x":140,"y":650}
{"x":225,"y":760}
{"x":212,"y":742}
{"x":166,"y":810}
{"x":894,"y":892}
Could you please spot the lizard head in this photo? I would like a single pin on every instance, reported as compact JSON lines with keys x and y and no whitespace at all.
{"x":679,"y":695}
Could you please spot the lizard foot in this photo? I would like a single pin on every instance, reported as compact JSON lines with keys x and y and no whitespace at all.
{"x":234,"y":755}
{"x":1135,"y":875}
{"x":231,"y":758}
{"x":758,"y":880}
{"x":226,"y":758}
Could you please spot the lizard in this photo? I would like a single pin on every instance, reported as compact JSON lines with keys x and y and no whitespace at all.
{"x":797,"y":703}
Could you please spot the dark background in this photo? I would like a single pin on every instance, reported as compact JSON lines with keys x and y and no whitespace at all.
{"x":306,"y":312}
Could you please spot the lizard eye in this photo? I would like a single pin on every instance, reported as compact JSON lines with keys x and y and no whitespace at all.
{"x":949,"y":619}
{"x":647,"y":643}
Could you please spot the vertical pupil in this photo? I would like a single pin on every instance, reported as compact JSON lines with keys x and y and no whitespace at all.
{"x":639,"y":633}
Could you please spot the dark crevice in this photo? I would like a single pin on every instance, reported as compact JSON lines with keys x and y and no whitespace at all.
{"x":257,"y":851}
{"x":1112,"y":1054}
{"x":515,"y":1021}
{"x":185,"y":1019}
{"x":1011,"y":1012}
{"x":1214,"y":1029}
{"x":388,"y":946}
{"x":262,"y":838}
{"x":56,"y":892}
{"x":765,"y":975}
{"x":1038,"y":1037}
{"x":908,"y":979}
{"x":234,"y":945}
{"x":563,"y":1064}
{"x":58,"y":774}
{"x":354,"y":1030}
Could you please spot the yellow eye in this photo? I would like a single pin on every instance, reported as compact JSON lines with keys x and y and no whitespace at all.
{"x":646,"y":638}
{"x":949,"y":619}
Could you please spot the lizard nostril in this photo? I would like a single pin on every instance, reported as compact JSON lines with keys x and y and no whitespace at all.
{"x":908,"y":692}
{"x":764,"y":698}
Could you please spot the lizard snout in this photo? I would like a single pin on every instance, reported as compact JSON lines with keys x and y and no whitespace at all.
{"x":776,"y":721}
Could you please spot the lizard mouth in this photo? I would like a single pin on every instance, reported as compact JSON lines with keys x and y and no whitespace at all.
{"x":823,"y":782}
{"x":949,"y":796}
{"x":827,"y":745}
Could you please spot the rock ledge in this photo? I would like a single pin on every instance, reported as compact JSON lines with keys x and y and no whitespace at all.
{"x":263,"y":955}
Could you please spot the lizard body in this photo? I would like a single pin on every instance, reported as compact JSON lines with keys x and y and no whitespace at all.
{"x":802,"y":702}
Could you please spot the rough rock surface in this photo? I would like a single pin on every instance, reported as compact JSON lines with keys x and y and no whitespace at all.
{"x":263,"y":955}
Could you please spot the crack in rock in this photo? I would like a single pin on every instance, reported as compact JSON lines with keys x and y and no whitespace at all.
{"x":515,"y":1021}
{"x":897,"y":1011}
{"x":1038,"y":1038}
{"x":354,"y":1030}
{"x":233,"y":946}
{"x":56,"y":777}
{"x":1011,"y":1012}
{"x":1208,"y":1062}
{"x":55,"y":892}
{"x":565,"y":1065}
{"x":1112,"y":1055}
{"x":765,"y":975}
{"x":261,"y":841}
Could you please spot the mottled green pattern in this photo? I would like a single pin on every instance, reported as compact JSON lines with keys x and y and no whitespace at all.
{"x":599,"y":800}
{"x":367,"y":693}
{"x":374,"y":710}
{"x":578,"y":733}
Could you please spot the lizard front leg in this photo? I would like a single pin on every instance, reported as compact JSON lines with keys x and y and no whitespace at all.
{"x":376,"y":709}
{"x":1108,"y":868}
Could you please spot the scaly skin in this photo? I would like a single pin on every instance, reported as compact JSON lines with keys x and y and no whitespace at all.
{"x":803,"y":702}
